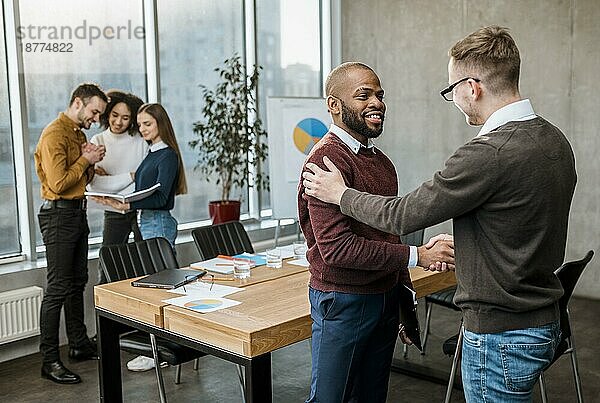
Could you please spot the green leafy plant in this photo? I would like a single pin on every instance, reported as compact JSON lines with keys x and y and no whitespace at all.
{"x":230,"y":138}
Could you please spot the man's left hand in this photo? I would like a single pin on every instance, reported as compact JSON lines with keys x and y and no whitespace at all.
{"x":327,"y":186}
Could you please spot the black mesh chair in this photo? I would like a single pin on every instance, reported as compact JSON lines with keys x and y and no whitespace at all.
{"x":443,"y":298}
{"x":120,"y":262}
{"x":568,"y":274}
{"x":228,"y":238}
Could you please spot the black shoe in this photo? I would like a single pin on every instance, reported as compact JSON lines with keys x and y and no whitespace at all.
{"x":87,"y":352}
{"x":57,"y":372}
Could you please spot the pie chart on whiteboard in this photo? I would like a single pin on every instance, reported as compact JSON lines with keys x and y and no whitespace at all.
{"x":307,"y":133}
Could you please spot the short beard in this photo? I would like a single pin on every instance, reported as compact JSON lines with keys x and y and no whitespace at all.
{"x":354,"y":122}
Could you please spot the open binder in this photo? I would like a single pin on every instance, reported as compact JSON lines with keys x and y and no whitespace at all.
{"x":126,"y":198}
{"x":408,"y":315}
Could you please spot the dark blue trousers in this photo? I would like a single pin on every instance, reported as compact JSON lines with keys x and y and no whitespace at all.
{"x":353,"y":339}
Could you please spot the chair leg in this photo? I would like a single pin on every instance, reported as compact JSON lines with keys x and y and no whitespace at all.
{"x":196,"y":364}
{"x":241,"y":379}
{"x":161,"y":385}
{"x":428,"y":308}
{"x":177,"y":374}
{"x":455,"y":363}
{"x":571,"y":344}
{"x":543,"y":388}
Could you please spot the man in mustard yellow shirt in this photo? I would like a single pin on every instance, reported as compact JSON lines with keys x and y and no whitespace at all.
{"x":64,"y":162}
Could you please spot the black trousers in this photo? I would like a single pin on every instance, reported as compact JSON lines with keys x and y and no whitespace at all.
{"x":65,"y":234}
{"x":117,"y":228}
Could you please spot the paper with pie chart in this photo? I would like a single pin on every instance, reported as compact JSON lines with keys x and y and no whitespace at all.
{"x":202,"y":304}
{"x":295,"y":126}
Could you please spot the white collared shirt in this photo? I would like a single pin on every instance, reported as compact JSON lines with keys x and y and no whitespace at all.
{"x":350,"y":141}
{"x":515,"y":112}
{"x":157,"y":146}
{"x":355,"y":146}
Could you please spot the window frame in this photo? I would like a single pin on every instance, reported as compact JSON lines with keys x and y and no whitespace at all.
{"x":330,"y":42}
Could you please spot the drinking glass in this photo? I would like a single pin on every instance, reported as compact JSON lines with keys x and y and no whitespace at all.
{"x":274,"y":260}
{"x":300,"y":249}
{"x":241,"y":268}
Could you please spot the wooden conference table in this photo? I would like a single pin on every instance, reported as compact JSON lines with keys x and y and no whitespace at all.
{"x":274,"y":313}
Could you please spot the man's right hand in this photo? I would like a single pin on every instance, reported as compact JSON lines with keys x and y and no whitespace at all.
{"x":438,"y":253}
{"x":92,"y":152}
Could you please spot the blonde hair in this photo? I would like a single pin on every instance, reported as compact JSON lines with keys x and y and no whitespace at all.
{"x":490,"y":54}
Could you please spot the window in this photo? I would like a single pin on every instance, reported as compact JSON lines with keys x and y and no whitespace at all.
{"x":97,"y":41}
{"x":9,"y":226}
{"x":289,"y":51}
{"x":194,"y":38}
{"x":105,"y":42}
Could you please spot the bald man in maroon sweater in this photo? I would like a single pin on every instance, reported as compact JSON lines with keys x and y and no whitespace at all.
{"x":355,"y":269}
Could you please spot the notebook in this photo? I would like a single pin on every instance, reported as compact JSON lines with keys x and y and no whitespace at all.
{"x":168,"y":279}
{"x":408,"y":315}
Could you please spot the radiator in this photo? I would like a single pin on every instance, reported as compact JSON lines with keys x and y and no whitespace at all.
{"x":20,"y":313}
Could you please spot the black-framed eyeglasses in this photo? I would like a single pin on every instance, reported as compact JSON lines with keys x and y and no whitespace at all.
{"x":212,"y":281}
{"x":446,"y":93}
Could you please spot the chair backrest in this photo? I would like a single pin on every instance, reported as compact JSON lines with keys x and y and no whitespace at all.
{"x":120,"y":262}
{"x":229,"y":238}
{"x":568,"y":274}
{"x":414,"y":238}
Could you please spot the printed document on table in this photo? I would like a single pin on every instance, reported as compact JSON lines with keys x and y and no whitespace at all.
{"x":204,"y":288}
{"x":202,"y":304}
{"x":299,"y":262}
{"x":217,"y":265}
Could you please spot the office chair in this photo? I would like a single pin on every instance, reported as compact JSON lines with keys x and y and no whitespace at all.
{"x":568,"y":274}
{"x":120,"y":262}
{"x":414,"y":239}
{"x":229,"y":238}
{"x":443,"y":298}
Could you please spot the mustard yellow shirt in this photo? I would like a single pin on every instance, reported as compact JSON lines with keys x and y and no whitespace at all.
{"x":58,"y":160}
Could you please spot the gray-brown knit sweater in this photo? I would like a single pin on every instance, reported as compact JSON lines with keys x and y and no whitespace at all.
{"x":509,"y":193}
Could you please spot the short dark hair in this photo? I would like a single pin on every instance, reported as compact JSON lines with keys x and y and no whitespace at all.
{"x":491,"y":53}
{"x":338,"y":74}
{"x":132,"y":102}
{"x":85,"y":91}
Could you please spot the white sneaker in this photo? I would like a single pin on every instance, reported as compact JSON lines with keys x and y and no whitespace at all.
{"x":142,"y":363}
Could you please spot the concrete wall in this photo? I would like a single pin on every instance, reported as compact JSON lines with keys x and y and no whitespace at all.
{"x":406,"y":42}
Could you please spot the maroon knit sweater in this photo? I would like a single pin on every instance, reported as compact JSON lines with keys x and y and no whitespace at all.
{"x":344,"y":254}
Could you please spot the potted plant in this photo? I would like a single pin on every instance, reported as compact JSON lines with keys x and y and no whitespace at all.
{"x":230,"y":138}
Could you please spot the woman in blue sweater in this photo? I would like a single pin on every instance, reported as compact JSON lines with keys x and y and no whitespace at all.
{"x":163,"y":165}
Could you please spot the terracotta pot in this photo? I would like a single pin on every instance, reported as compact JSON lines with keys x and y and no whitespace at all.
{"x":224,"y":210}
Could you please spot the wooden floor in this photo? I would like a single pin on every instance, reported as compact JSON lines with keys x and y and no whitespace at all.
{"x":216,"y":380}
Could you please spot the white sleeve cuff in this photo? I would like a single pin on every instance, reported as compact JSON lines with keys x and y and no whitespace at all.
{"x":413,"y":258}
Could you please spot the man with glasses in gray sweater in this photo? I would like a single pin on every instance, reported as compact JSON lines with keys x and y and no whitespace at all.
{"x":509,"y":192}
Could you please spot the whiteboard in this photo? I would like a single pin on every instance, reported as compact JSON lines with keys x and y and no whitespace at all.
{"x":294,"y":126}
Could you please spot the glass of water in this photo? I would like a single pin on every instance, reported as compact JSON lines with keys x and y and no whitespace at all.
{"x":241,"y":268}
{"x":274,"y":260}
{"x":300,"y":249}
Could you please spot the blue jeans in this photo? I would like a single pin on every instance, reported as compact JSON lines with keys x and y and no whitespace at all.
{"x":353,"y":339}
{"x":504,"y":367}
{"x":158,"y":223}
